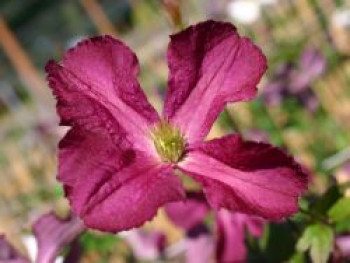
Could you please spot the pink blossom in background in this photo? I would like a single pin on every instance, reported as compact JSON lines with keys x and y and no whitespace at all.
{"x":146,"y":245}
{"x":52,"y":235}
{"x":295,"y":80}
{"x":231,"y":228}
{"x":117,"y":160}
{"x":9,"y":254}
{"x":199,"y":249}
{"x":311,"y":65}
{"x":343,"y":243}
{"x":189,"y":213}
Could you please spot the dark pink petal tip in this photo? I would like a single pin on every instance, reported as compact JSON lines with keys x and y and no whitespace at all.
{"x":209,"y":66}
{"x":53,"y":234}
{"x":248,"y":177}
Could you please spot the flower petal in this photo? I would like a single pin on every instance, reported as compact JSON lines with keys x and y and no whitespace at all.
{"x":343,"y":243}
{"x":146,"y":245}
{"x":249,"y":177}
{"x":312,"y":64}
{"x":9,"y":254}
{"x":110,"y":69}
{"x":231,"y":227}
{"x":53,"y":234}
{"x":210,"y":65}
{"x":96,"y":88}
{"x":199,"y":249}
{"x":113,"y":187}
{"x":188,"y":213}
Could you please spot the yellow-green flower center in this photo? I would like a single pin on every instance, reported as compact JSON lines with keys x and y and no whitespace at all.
{"x":169,"y":142}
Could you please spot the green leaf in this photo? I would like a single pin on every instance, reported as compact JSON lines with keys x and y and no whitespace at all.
{"x":318,"y":239}
{"x":340,"y":210}
{"x":342,"y":226}
{"x":297,"y":258}
{"x":99,"y":242}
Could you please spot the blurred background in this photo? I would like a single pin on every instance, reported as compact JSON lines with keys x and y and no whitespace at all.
{"x":303,"y":103}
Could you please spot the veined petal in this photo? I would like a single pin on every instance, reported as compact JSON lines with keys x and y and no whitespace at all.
{"x":110,"y":69}
{"x":210,"y":65}
{"x":96,"y":88}
{"x":113,"y":187}
{"x":53,"y":234}
{"x":230,"y":242}
{"x":249,"y":177}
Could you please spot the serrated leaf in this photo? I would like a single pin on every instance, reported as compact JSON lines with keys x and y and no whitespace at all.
{"x":340,"y":210}
{"x":318,"y":239}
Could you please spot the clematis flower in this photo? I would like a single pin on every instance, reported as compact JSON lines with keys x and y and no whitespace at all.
{"x":51,"y":235}
{"x":146,"y":245}
{"x":199,"y":246}
{"x":117,"y":161}
{"x":312,"y":64}
{"x":9,"y":254}
{"x":231,"y":229}
{"x":296,"y":80}
{"x":189,"y":215}
{"x":343,"y":243}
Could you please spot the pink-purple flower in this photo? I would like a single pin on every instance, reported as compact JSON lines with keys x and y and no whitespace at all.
{"x":52,"y":234}
{"x":146,"y":245}
{"x":295,"y":80}
{"x":9,"y":254}
{"x":230,"y":234}
{"x":117,"y":161}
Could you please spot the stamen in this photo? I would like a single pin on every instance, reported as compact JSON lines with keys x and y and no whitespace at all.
{"x":169,"y":142}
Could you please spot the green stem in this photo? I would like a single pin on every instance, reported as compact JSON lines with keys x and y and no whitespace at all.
{"x":315,"y":217}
